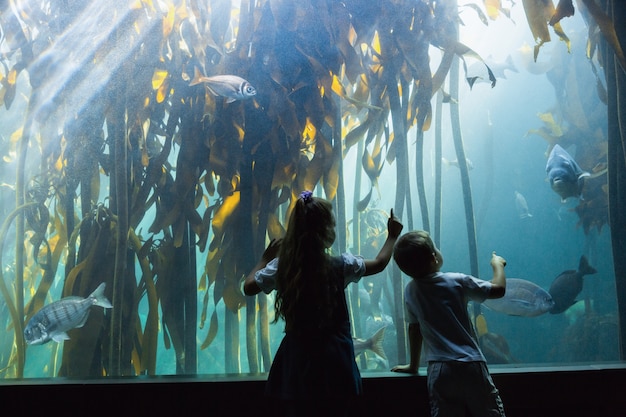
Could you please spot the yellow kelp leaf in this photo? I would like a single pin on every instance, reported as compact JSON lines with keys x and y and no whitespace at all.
{"x":337,"y":87}
{"x":16,"y":136}
{"x":368,"y":165}
{"x":212,"y":332}
{"x":182,"y":12}
{"x":58,"y":165}
{"x":538,"y":13}
{"x":549,"y":121}
{"x":205,"y":300}
{"x":53,"y":241}
{"x":562,"y":36}
{"x":158,"y":77}
{"x":12,"y":76}
{"x":227,"y":208}
{"x":233,"y":298}
{"x":376,"y":43}
{"x":168,"y":20}
{"x":481,"y":325}
{"x":313,"y":172}
{"x":493,"y":8}
{"x":137,"y":4}
{"x":309,"y":130}
{"x":143,"y":148}
{"x":213,"y":260}
{"x":240,"y":131}
{"x":352,"y":36}
{"x":162,"y":91}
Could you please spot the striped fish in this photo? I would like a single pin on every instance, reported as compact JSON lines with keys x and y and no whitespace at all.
{"x":231,"y":87}
{"x":54,"y":320}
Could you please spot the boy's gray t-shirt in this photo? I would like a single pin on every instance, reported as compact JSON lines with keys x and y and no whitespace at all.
{"x":438,"y":302}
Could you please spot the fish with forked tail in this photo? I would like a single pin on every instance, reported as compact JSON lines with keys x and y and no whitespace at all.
{"x":566,"y":287}
{"x":54,"y":320}
{"x":374,"y":343}
{"x":231,"y":87}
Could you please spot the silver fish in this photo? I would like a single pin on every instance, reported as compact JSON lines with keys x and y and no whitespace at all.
{"x":566,"y":177}
{"x":455,"y":163}
{"x":522,"y":298}
{"x":374,"y":343}
{"x":54,"y":320}
{"x":521,"y":205}
{"x":231,"y":87}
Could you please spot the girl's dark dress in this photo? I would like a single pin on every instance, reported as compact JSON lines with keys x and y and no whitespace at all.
{"x":318,"y":363}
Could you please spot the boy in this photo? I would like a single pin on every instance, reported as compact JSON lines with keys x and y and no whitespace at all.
{"x":436,"y":306}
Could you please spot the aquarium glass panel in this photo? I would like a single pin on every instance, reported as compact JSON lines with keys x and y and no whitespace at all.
{"x":151,"y":151}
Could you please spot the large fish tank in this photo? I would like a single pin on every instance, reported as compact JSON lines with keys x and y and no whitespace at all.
{"x":116,"y":170}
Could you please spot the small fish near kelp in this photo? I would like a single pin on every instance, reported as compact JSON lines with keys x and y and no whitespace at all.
{"x":231,"y":87}
{"x":566,"y":287}
{"x":522,"y":298}
{"x":522,"y":206}
{"x":54,"y":320}
{"x":566,"y":177}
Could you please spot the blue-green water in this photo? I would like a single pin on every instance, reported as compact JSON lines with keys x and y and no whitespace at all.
{"x":64,"y":111}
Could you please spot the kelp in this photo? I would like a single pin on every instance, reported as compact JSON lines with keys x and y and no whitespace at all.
{"x":538,"y":14}
{"x":144,"y":169}
{"x":11,"y":302}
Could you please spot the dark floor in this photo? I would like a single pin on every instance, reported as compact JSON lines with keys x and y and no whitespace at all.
{"x":589,"y":391}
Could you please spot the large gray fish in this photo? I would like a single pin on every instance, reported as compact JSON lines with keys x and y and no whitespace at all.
{"x":566,"y":287}
{"x":522,"y":298}
{"x":55,"y":319}
{"x":230,"y":87}
{"x":374,"y":343}
{"x":566,"y":177}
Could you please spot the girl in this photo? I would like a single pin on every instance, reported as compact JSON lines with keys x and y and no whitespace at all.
{"x":314,"y":371}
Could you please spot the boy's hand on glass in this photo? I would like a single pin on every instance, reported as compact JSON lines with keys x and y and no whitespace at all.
{"x":405,"y":369}
{"x":497,"y":260}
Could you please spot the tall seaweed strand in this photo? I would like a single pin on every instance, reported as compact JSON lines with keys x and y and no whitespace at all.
{"x":356,"y":248}
{"x":399,"y":140}
{"x":437,"y":162}
{"x":465,"y":181}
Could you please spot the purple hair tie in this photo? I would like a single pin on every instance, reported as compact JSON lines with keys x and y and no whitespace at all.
{"x":306,"y":196}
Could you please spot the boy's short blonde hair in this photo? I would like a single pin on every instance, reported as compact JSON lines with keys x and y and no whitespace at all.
{"x":413,"y":253}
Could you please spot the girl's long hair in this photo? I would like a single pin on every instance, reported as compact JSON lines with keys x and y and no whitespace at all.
{"x":305,"y":285}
